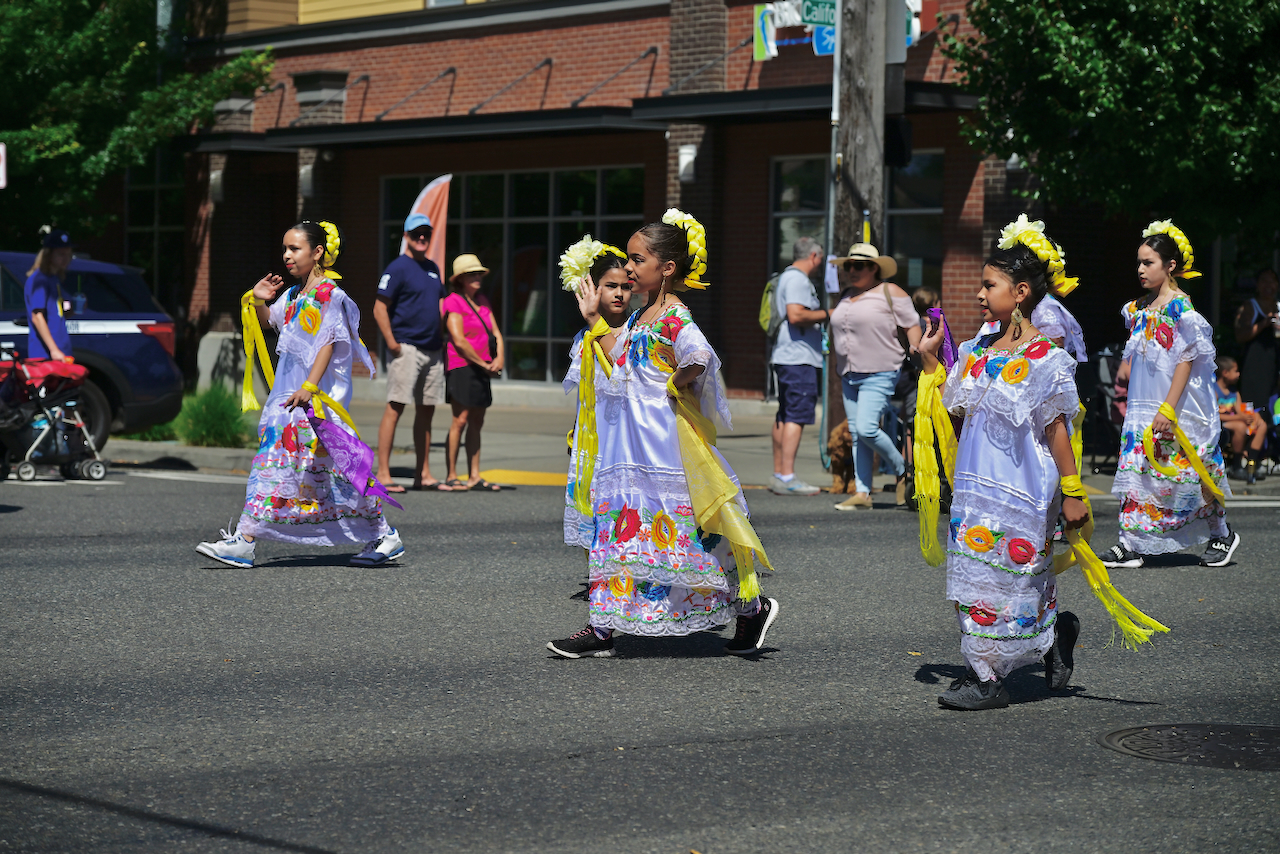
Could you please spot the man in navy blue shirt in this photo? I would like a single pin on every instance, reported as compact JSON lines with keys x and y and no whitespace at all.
{"x":408,"y":316}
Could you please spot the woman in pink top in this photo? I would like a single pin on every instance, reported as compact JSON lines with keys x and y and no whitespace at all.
{"x":473,"y":355}
{"x":864,"y":332}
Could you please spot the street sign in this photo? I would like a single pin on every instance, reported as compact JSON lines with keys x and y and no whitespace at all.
{"x":764,"y":36}
{"x":4,"y":166}
{"x":824,"y":41}
{"x":820,"y":12}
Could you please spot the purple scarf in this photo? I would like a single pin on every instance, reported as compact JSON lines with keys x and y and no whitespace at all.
{"x":948,"y":354}
{"x":352,"y":458}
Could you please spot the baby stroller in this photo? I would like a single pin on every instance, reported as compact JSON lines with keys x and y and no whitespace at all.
{"x":39,"y":422}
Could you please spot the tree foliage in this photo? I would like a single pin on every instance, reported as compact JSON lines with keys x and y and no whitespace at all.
{"x":88,"y":91}
{"x":1151,"y":107}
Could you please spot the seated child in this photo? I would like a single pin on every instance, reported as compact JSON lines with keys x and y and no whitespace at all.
{"x":1241,"y":421}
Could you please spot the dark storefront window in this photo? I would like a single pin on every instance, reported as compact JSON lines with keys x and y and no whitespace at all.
{"x":154,"y":224}
{"x":914,"y":202}
{"x":518,"y":223}
{"x":798,"y":207}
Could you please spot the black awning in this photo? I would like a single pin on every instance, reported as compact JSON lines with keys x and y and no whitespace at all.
{"x":785,"y":103}
{"x":463,"y":126}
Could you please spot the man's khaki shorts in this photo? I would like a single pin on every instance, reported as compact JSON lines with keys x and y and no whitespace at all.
{"x":416,"y":376}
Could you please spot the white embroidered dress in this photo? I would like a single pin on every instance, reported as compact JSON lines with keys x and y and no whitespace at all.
{"x":1160,"y":513}
{"x":293,"y":494}
{"x":652,"y":571}
{"x":1006,"y":499}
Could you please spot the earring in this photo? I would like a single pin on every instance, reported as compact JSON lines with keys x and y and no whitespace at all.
{"x":1016,"y":319}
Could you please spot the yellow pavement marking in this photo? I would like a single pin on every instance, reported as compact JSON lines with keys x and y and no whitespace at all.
{"x":1093,"y":490}
{"x":525,"y":478}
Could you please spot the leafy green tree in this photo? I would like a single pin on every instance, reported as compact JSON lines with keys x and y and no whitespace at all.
{"x":1151,"y":107}
{"x":89,"y":90}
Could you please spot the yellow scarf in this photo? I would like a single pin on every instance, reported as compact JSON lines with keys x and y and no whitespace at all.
{"x":322,"y":400}
{"x":253,"y":340}
{"x":712,"y":492}
{"x":1188,"y":450}
{"x":932,"y":416}
{"x":588,"y":440}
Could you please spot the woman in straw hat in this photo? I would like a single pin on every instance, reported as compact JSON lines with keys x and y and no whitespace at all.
{"x":473,"y":355}
{"x":866,"y":330}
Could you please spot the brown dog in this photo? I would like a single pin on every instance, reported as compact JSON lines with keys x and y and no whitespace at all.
{"x":840,"y":449}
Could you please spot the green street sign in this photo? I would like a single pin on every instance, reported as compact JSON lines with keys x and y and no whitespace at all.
{"x":820,"y":12}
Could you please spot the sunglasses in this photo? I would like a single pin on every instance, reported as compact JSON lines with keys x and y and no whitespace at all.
{"x":858,"y":265}
{"x":420,"y":235}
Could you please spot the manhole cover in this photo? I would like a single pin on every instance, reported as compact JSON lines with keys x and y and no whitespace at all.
{"x":1234,"y":746}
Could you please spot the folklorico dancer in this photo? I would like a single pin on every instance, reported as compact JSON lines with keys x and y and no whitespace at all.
{"x":671,"y":551}
{"x":605,"y":267}
{"x":1170,"y":479}
{"x":1010,"y":396}
{"x":311,"y":481}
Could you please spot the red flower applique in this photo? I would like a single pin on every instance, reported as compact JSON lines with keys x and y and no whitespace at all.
{"x":982,"y":616}
{"x":627,"y":525}
{"x":671,"y":326}
{"x":1038,"y":350}
{"x":978,"y":366}
{"x":1021,"y":551}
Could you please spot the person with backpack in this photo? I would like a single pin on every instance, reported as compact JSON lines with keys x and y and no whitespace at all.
{"x":796,"y":361}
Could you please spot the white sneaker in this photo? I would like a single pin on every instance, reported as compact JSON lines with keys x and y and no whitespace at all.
{"x":795,"y":486}
{"x":232,"y":549}
{"x":380,"y":551}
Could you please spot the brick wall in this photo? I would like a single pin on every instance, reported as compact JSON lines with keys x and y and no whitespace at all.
{"x":697,"y":36}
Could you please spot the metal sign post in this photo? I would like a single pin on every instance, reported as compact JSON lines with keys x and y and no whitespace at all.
{"x":4,"y":166}
{"x":833,"y":183}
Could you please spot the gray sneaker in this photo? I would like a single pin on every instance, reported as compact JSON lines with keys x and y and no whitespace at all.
{"x":795,"y":486}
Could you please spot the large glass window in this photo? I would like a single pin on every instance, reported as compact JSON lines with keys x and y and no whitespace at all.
{"x":518,"y":223}
{"x":155,"y":236}
{"x":798,"y":206}
{"x":914,"y":197}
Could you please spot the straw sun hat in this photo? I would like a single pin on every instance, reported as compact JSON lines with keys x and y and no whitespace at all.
{"x":467,"y":264}
{"x":867,"y":252}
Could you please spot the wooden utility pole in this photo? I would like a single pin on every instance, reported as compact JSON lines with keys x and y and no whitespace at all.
{"x":860,"y":135}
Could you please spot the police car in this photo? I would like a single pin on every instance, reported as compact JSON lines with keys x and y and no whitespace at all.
{"x":118,"y":332}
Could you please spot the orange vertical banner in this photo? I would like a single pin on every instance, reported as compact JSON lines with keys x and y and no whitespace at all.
{"x":434,"y":202}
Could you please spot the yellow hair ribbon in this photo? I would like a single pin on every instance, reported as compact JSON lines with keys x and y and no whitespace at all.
{"x":1064,"y":286}
{"x":712,"y":492}
{"x":253,"y":340}
{"x":326,"y":400}
{"x":1188,"y":450}
{"x":931,"y":416}
{"x":588,"y":440}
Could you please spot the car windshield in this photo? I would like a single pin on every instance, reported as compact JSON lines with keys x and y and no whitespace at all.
{"x":109,"y":293}
{"x":11,"y":298}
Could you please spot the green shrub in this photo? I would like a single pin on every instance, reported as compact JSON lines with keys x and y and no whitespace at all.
{"x":212,"y":419}
{"x":155,"y":433}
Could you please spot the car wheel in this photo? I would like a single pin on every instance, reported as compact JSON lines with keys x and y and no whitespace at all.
{"x":4,"y":466}
{"x":26,"y":470}
{"x":93,"y":469}
{"x":69,"y":471}
{"x":96,"y":412}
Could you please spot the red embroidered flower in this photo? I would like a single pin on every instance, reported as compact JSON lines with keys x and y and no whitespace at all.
{"x":1038,"y":350}
{"x":290,"y":438}
{"x":671,"y":326}
{"x":982,"y":616}
{"x":978,"y":366}
{"x":622,"y":360}
{"x":627,"y":525}
{"x":1021,"y":551}
{"x":1164,"y":335}
{"x":324,"y":291}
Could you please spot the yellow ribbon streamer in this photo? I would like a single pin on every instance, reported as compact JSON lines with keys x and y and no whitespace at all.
{"x":253,"y":340}
{"x":712,"y":492}
{"x":931,"y":417}
{"x":1188,"y":450}
{"x":588,"y":440}
{"x":326,"y":400}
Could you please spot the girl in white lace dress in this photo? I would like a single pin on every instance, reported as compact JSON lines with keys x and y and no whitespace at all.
{"x":1013,"y":391}
{"x":655,"y":567}
{"x":1166,"y":505}
{"x":296,"y":493}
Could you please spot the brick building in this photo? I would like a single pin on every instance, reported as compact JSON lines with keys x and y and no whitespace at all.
{"x":558,"y":117}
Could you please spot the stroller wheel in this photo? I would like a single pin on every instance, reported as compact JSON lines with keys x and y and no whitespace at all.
{"x":26,"y":470}
{"x":93,"y":469}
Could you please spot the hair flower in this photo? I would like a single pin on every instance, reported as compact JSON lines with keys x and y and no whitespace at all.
{"x":1030,"y":233}
{"x":575,"y":263}
{"x":1166,"y":226}
{"x":696,"y":236}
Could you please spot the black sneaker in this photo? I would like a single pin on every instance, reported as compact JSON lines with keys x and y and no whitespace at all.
{"x":1059,"y":661}
{"x":974,"y":695}
{"x":1118,"y":557}
{"x":583,"y":644}
{"x":1221,"y":549}
{"x":751,"y":630}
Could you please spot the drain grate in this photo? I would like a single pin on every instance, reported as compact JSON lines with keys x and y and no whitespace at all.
{"x":1232,"y":746}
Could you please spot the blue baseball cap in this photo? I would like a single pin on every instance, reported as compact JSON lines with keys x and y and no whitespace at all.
{"x":416,"y":221}
{"x":56,"y":239}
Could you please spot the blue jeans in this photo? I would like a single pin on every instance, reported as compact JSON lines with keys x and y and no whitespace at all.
{"x":866,"y":396}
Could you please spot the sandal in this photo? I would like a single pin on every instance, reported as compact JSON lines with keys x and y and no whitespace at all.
{"x":484,"y":484}
{"x":394,"y":488}
{"x":455,"y":485}
{"x":434,"y":486}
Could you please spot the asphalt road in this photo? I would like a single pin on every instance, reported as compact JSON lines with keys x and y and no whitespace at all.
{"x":153,"y":701}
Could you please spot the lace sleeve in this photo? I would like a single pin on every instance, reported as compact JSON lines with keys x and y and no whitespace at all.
{"x":1054,"y":321}
{"x":1055,"y":391}
{"x":574,"y":374}
{"x":692,"y":348}
{"x":951,"y":389}
{"x":275,"y":313}
{"x":1192,"y":338}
